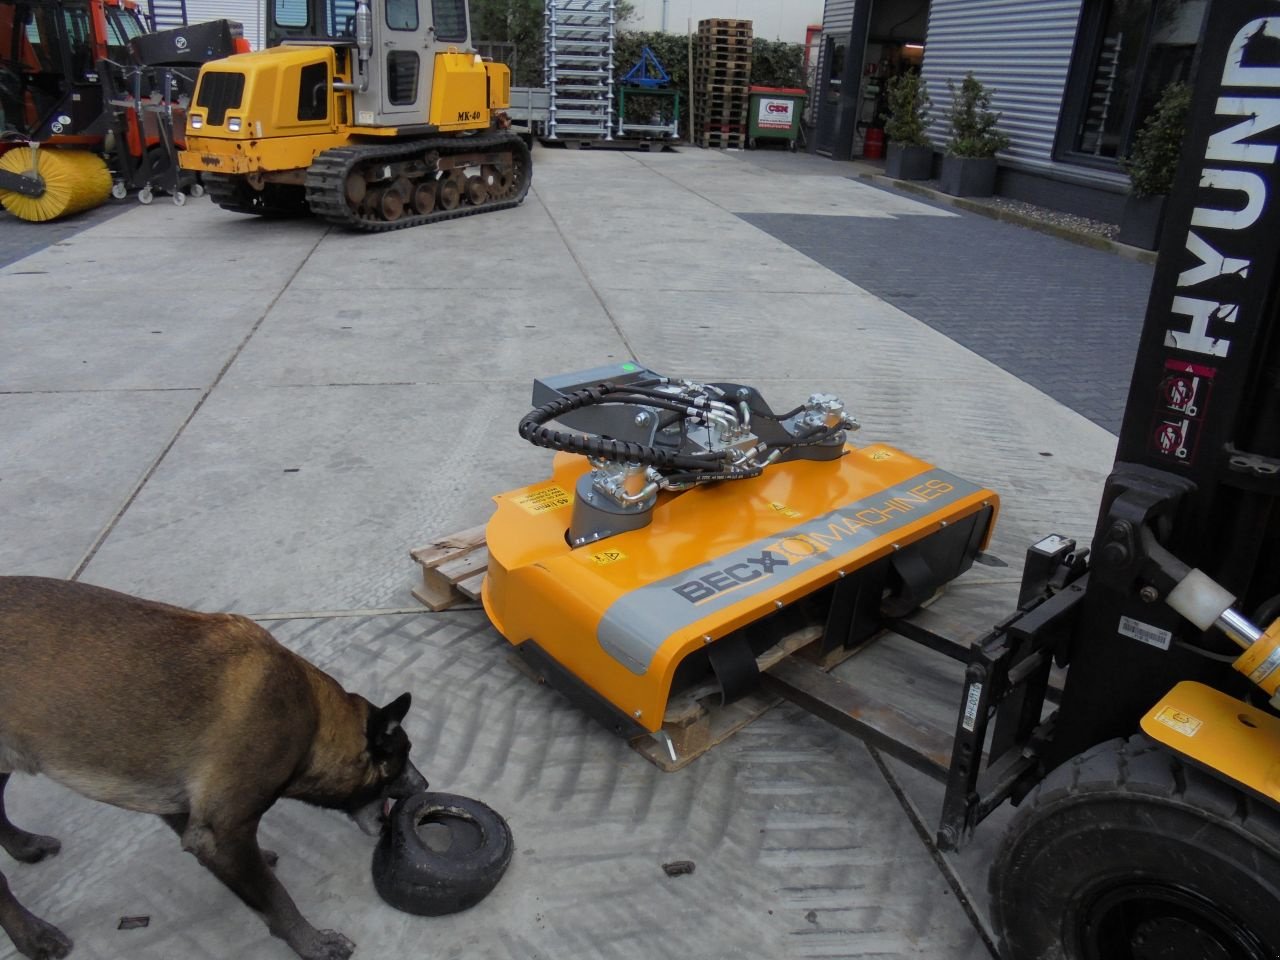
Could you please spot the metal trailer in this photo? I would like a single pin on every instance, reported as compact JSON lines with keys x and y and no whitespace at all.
{"x":530,"y":109}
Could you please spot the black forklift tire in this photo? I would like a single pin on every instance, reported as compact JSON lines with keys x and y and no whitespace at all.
{"x":412,"y":876}
{"x":1127,"y":852}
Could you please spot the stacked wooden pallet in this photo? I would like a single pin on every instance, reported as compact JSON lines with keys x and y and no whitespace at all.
{"x":721,"y":81}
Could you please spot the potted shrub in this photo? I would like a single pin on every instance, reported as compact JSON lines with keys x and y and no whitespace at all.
{"x":1151,"y":166}
{"x":910,"y":154}
{"x":969,"y":167}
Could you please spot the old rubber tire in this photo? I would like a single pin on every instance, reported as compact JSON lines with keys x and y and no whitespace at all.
{"x":1128,"y":853}
{"x":421,"y":875}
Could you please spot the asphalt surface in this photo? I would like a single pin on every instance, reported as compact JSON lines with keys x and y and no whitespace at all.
{"x":1061,"y":317}
{"x":229,"y":413}
{"x":19,"y":238}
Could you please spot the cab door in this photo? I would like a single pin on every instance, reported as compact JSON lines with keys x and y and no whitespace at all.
{"x":406,"y":60}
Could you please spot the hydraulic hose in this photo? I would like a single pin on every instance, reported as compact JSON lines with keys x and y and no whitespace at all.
{"x":621,"y":451}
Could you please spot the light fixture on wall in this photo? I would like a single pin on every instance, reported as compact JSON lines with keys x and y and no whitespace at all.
{"x":914,"y":47}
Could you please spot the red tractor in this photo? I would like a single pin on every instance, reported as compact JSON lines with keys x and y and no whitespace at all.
{"x":92,"y":103}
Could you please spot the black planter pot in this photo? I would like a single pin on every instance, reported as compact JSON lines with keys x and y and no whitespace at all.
{"x":969,"y":176}
{"x":908,"y":162}
{"x":1141,"y":220}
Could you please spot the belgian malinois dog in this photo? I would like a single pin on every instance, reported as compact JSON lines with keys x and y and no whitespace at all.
{"x":202,"y":719}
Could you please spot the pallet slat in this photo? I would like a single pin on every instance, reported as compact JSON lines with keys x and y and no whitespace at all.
{"x":448,"y":564}
{"x":694,"y":728}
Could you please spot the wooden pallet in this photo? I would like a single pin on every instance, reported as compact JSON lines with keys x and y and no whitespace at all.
{"x":724,"y":83}
{"x":722,"y":57}
{"x":727,"y":141}
{"x":725,"y":30}
{"x":695,"y":721}
{"x":737,"y":86}
{"x":722,"y":126}
{"x":719,"y":106}
{"x":708,"y":23}
{"x":453,"y":569}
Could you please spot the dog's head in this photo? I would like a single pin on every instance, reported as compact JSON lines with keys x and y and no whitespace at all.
{"x":391,"y":776}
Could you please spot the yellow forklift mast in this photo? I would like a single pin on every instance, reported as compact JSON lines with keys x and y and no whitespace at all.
{"x":382,"y":121}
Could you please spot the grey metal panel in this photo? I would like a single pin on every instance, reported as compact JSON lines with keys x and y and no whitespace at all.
{"x":1021,"y":49}
{"x":248,"y":12}
{"x":837,"y":17}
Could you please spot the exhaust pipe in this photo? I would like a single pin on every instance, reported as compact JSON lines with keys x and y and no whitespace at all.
{"x":364,"y":48}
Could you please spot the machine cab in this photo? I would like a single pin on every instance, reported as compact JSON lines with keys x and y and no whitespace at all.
{"x":408,"y":38}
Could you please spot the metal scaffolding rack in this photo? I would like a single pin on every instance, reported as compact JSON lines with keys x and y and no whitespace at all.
{"x":579,"y":67}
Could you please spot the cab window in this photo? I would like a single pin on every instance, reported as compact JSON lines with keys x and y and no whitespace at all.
{"x":450,"y":19}
{"x":402,"y":14}
{"x":121,"y":28}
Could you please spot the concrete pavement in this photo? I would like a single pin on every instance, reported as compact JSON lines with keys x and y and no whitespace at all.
{"x":229,"y":413}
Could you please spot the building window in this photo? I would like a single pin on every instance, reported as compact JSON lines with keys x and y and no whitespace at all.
{"x":290,"y":13}
{"x":1127,"y":52}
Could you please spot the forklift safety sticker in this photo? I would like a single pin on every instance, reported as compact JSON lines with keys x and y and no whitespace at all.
{"x":1266,"y":668}
{"x":553,"y":497}
{"x":1145,"y":633}
{"x":637,"y":624}
{"x":971,"y":701}
{"x":1175,"y":719}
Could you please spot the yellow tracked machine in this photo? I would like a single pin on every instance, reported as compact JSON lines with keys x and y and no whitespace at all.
{"x":376,"y":120}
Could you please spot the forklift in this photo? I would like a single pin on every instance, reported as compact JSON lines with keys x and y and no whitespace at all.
{"x":1149,"y":820}
{"x":1128,"y":707}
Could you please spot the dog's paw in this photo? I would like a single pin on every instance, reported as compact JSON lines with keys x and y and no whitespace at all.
{"x":30,"y":847}
{"x":327,"y":945}
{"x":40,"y":940}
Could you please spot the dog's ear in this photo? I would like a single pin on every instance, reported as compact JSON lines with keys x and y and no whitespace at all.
{"x":384,"y":722}
{"x":395,"y":711}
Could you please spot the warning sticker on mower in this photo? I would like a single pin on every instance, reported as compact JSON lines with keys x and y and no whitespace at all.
{"x":1175,"y":719}
{"x":553,"y":497}
{"x":607,"y":557}
{"x":783,"y":509}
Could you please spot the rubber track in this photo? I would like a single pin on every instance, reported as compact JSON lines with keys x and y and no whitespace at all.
{"x":327,"y":178}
